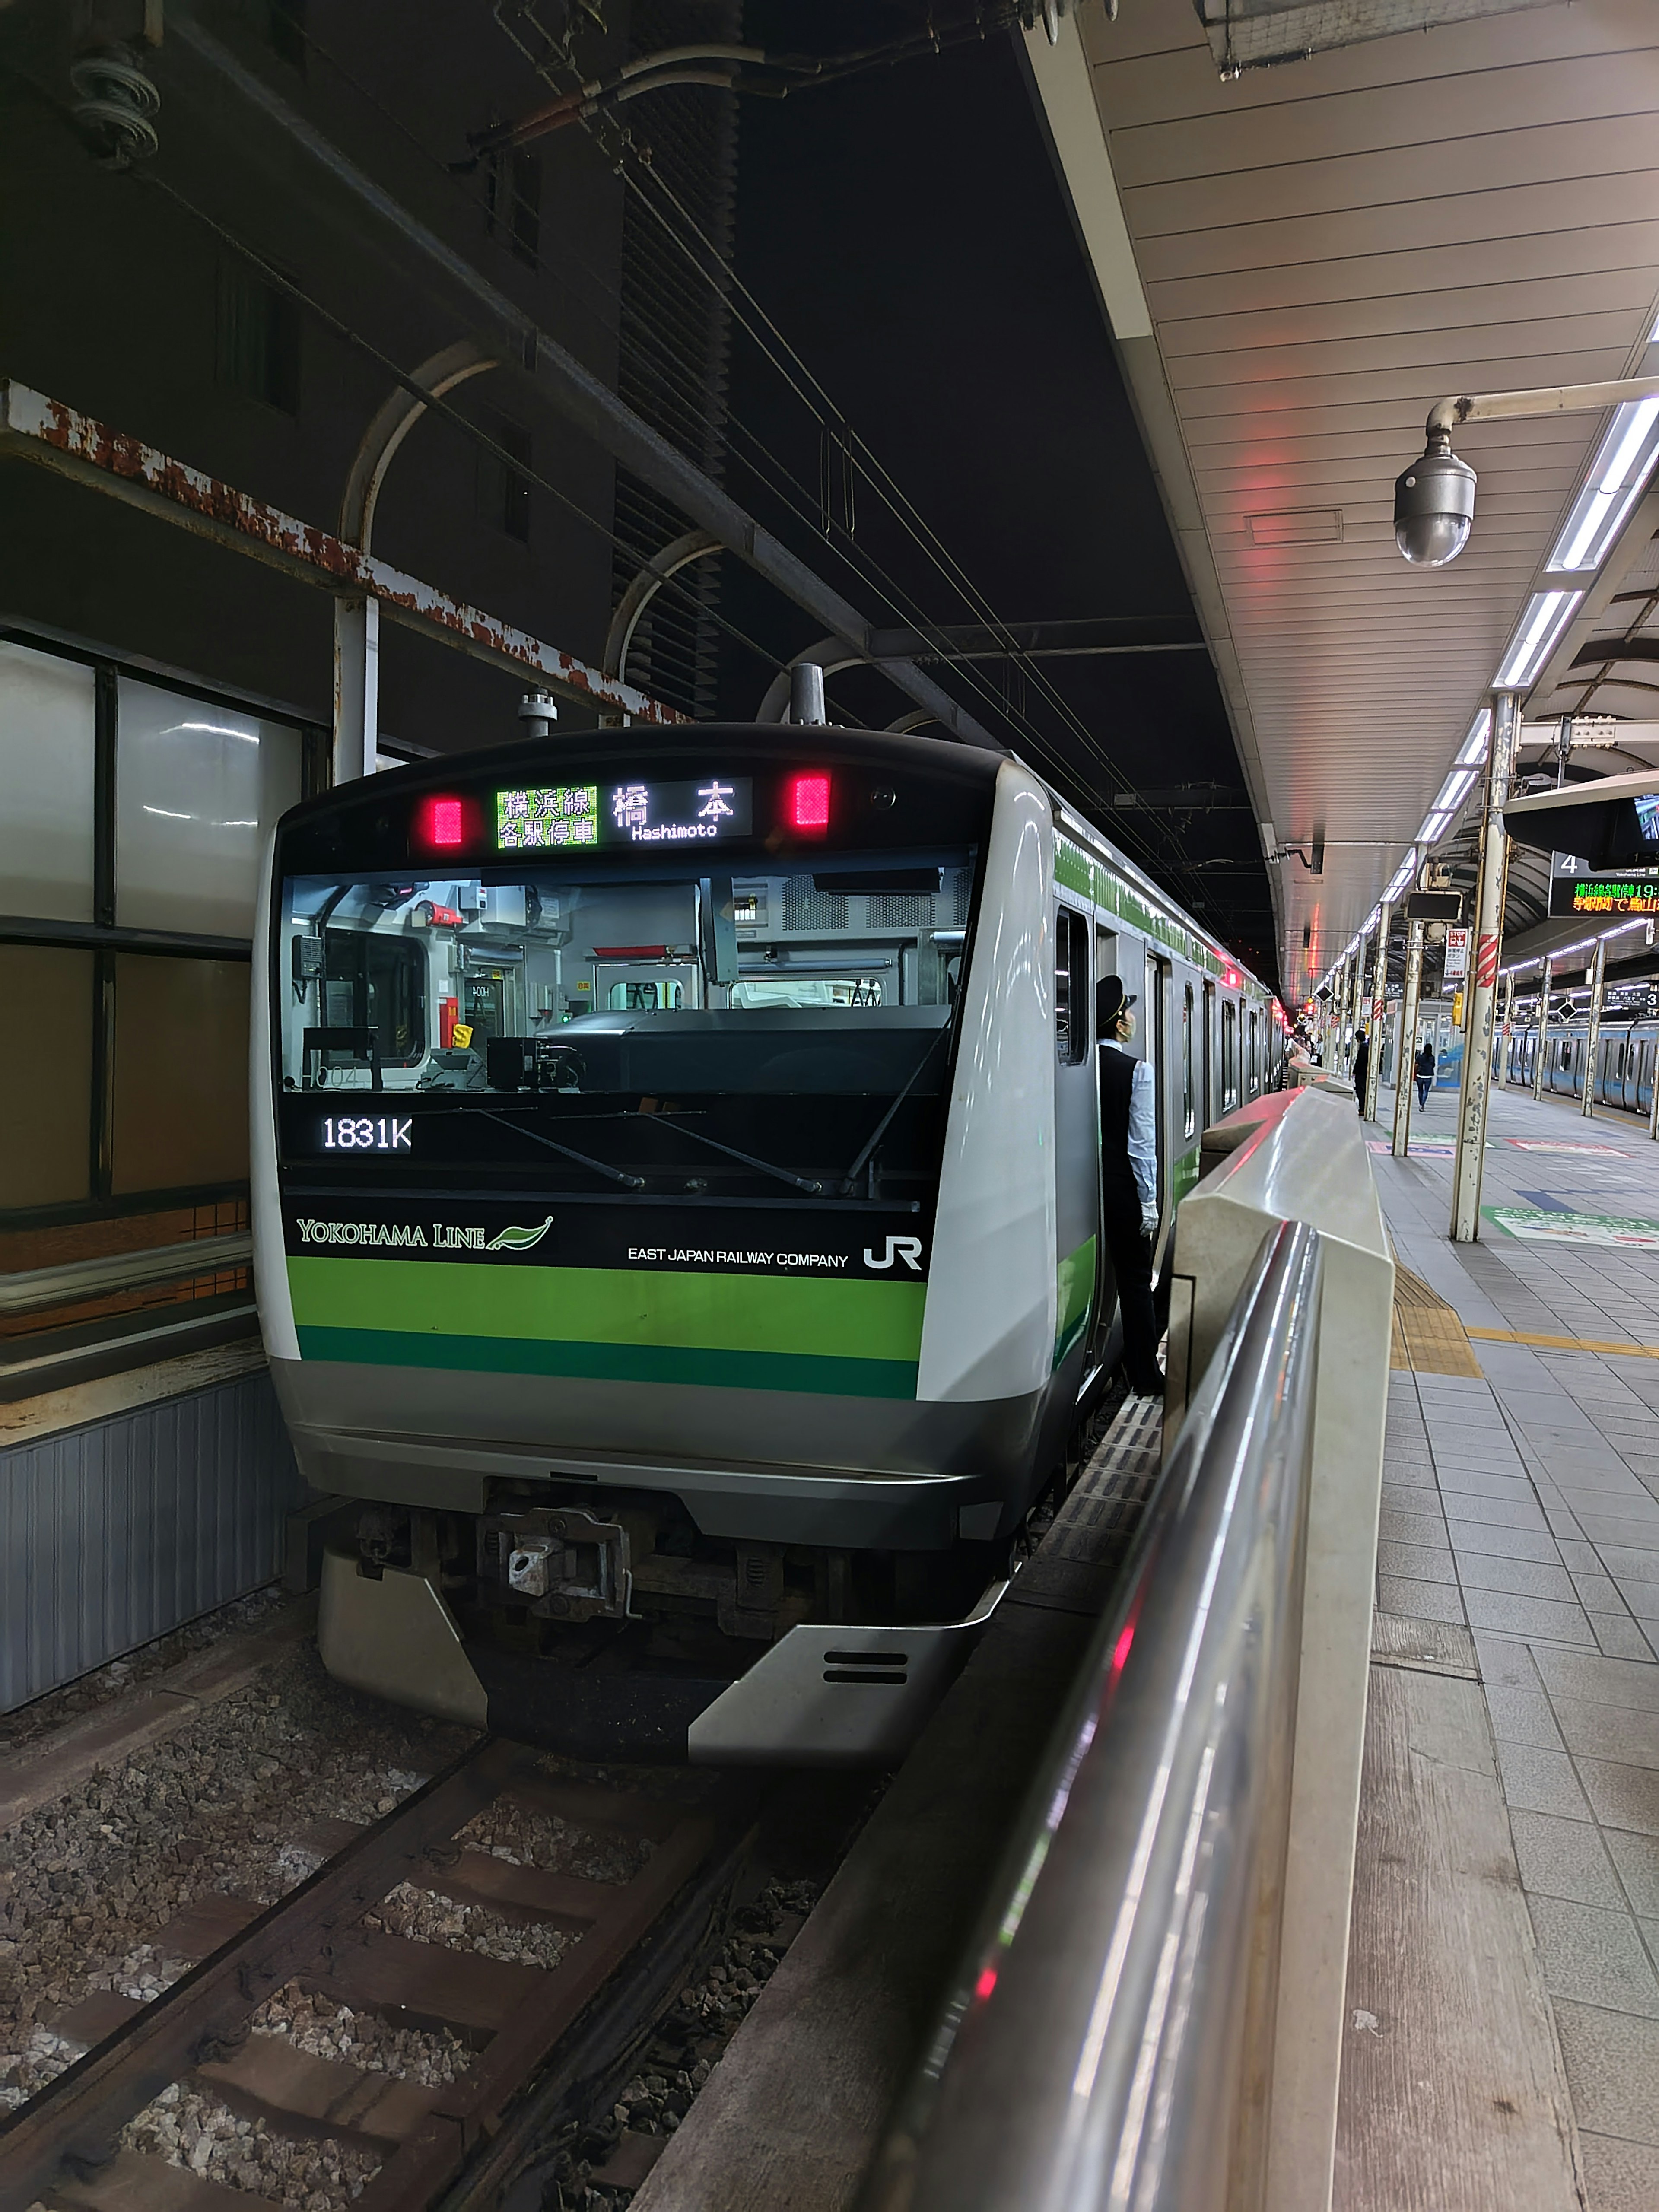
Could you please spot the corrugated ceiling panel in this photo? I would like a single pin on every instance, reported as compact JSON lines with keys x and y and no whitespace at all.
{"x":1327,"y":248}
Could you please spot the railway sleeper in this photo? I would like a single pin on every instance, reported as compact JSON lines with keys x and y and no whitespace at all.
{"x":63,"y":2146}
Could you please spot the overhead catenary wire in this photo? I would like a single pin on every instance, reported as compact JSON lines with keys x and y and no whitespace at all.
{"x":819,"y":404}
{"x":475,"y":432}
{"x":1001,"y":706}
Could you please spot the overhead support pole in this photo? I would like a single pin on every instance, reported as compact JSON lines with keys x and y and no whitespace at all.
{"x":1405,"y":1069}
{"x":1598,"y":982}
{"x":356,"y":689}
{"x":585,"y":399}
{"x":1473,"y":1095}
{"x":1379,"y":1010}
{"x":1543,"y":1028}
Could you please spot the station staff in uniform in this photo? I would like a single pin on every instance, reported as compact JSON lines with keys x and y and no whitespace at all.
{"x":1129,"y":1180}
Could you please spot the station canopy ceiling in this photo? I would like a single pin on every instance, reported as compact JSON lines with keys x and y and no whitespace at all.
{"x":1297,"y":262}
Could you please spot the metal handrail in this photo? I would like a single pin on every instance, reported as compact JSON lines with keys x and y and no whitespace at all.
{"x":1109,"y":2041}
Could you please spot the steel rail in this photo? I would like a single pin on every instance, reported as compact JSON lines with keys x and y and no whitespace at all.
{"x":1109,"y":2040}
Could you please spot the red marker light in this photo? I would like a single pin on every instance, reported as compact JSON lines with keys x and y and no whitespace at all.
{"x":445,"y":825}
{"x":806,"y":804}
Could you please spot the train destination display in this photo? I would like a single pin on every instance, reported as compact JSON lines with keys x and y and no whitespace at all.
{"x":707,"y":810}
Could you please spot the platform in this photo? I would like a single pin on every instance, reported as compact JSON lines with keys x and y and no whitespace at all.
{"x":1518,"y":1572}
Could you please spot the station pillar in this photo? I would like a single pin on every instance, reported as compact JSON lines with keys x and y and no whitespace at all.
{"x":1593,"y":1038}
{"x":1482,"y":985}
{"x":1355,"y":1000}
{"x":1543,"y":1027}
{"x":1508,"y":1031}
{"x":1379,"y":1010}
{"x":1406,"y":1069}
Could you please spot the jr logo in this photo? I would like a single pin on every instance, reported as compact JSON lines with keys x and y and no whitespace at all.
{"x":908,"y":1248}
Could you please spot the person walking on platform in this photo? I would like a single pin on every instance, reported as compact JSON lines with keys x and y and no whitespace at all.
{"x":1128,"y":1181}
{"x":1425,"y":1073}
{"x":1362,"y":1063}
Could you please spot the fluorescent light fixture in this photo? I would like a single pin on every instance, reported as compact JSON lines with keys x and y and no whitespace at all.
{"x":1473,"y":749}
{"x":1434,"y":829}
{"x":1623,"y":461}
{"x":1454,"y":790}
{"x":1402,"y":876}
{"x":1547,"y":614}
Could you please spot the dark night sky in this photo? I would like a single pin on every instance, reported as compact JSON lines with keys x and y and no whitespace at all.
{"x":906,"y":232}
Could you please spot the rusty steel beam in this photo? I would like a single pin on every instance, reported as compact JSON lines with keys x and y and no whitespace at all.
{"x":46,"y":432}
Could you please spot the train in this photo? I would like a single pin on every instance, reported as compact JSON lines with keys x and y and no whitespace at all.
{"x":675,"y":1197}
{"x":1626,"y":1049}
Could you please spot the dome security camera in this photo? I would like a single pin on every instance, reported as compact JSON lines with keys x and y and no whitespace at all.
{"x":1434,"y":505}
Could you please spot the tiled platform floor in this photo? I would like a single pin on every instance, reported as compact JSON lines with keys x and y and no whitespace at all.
{"x":1526,"y":1505}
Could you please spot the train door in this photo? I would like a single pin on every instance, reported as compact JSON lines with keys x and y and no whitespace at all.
{"x":1255,"y":1055}
{"x":489,"y":1001}
{"x":1188,"y":1070}
{"x":1077,"y":1133}
{"x":1207,"y":1110}
{"x":1155,"y":1047}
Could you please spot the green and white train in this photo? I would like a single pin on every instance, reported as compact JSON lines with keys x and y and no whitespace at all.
{"x":677,"y":1207}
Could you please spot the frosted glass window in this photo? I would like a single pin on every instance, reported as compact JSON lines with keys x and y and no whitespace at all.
{"x":44,"y":1114}
{"x":197,"y":791}
{"x":46,"y":715}
{"x":180,"y":1072}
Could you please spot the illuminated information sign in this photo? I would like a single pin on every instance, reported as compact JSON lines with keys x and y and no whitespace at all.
{"x":1627,"y":895}
{"x":707,"y":810}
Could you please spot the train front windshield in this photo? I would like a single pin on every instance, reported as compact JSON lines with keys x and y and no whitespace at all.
{"x":577,"y":1020}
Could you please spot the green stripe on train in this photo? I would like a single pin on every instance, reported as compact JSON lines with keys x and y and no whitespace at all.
{"x":801,"y":1372}
{"x":1075,"y":1289}
{"x":858,"y":1338}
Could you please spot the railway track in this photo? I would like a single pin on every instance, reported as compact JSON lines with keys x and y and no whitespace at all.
{"x":534,"y":2032}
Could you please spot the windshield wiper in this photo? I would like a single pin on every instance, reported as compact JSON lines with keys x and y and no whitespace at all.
{"x":881,"y":1128}
{"x":766,"y":1167}
{"x":599,"y":1167}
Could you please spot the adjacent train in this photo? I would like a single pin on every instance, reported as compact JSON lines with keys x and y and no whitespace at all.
{"x":1625,"y":1050}
{"x":677,"y":1202}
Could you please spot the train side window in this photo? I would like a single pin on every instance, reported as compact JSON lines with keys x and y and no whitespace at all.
{"x":1566,"y":1052}
{"x":1071,"y":985}
{"x":1189,"y":1095}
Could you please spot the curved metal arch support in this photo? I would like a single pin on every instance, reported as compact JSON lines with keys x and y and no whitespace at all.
{"x":679,"y":553}
{"x":906,"y":723}
{"x":357,"y":620}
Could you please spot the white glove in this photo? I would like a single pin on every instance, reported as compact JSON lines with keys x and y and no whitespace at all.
{"x":1148,"y":1221}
